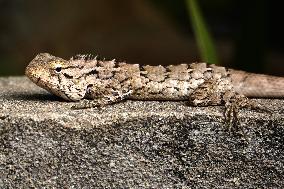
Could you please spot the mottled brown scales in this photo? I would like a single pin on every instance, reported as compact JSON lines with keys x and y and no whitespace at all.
{"x":105,"y":82}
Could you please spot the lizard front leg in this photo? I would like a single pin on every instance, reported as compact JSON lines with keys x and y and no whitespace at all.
{"x":102,"y":100}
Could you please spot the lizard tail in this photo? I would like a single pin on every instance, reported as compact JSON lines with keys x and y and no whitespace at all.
{"x":257,"y":85}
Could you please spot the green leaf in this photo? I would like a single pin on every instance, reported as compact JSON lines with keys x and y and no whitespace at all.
{"x":202,"y":35}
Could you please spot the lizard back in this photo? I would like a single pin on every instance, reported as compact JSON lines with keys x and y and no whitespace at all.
{"x":172,"y":82}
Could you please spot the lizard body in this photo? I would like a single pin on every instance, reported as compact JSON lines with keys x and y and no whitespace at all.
{"x":107,"y":82}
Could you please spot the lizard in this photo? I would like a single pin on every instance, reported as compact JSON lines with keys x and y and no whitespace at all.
{"x":96,"y":83}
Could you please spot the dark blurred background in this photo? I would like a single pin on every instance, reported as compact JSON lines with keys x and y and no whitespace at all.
{"x":248,"y":34}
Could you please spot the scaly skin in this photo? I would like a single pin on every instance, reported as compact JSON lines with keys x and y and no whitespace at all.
{"x":81,"y":78}
{"x":106,"y":82}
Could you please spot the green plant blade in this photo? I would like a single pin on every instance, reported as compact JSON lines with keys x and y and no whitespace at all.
{"x":202,"y":35}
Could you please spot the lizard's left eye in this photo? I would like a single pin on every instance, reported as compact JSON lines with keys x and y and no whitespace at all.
{"x":58,"y":69}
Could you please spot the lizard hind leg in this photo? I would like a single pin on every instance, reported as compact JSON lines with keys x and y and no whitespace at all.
{"x":217,"y":92}
{"x":234,"y":102}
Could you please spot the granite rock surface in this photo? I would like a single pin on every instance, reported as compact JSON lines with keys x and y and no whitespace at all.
{"x":134,"y":144}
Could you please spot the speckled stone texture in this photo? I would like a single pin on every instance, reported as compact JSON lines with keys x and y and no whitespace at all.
{"x":134,"y":144}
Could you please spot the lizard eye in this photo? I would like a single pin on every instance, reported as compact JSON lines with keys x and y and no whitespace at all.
{"x":58,"y":69}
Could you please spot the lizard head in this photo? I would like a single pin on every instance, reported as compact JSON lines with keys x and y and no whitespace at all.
{"x":57,"y":76}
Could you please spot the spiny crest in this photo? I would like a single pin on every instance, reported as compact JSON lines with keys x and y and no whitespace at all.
{"x":85,"y":57}
{"x":88,"y":58}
